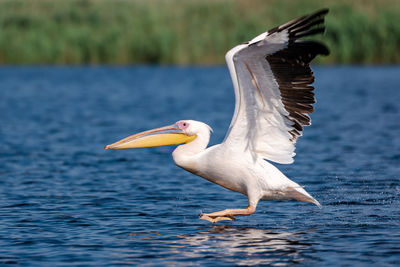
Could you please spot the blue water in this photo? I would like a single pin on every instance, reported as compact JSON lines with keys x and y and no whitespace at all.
{"x":64,"y":201}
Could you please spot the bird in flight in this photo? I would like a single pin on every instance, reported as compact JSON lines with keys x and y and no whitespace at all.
{"x":272,"y":81}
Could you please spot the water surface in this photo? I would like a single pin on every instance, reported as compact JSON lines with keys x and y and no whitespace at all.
{"x":64,"y":201}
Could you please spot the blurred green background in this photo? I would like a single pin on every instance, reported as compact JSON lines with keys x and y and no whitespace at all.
{"x":184,"y":31}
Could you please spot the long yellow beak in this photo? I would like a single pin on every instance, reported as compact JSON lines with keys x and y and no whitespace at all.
{"x":164,"y":136}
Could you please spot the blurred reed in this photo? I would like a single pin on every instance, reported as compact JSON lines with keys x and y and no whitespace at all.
{"x":184,"y":31}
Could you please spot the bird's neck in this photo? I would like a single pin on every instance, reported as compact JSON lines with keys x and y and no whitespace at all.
{"x":196,"y":146}
{"x":184,"y":155}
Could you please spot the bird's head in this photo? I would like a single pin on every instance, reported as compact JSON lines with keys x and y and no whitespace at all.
{"x":184,"y":131}
{"x":191,"y":127}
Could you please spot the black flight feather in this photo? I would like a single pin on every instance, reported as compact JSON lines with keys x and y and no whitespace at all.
{"x":291,"y":68}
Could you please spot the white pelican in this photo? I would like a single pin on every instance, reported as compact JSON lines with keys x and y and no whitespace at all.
{"x":272,"y":82}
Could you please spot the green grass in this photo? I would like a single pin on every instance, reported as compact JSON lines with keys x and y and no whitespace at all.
{"x":184,"y":31}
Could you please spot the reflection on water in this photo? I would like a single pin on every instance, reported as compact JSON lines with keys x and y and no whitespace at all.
{"x":242,"y":246}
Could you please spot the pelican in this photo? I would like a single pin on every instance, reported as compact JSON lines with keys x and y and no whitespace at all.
{"x":272,"y":83}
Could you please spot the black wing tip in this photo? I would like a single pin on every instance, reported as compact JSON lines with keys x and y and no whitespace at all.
{"x":297,"y":23}
{"x":322,"y":11}
{"x":318,"y":48}
{"x":317,"y":14}
{"x":322,"y":48}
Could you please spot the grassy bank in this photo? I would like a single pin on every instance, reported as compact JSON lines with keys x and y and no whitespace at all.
{"x":183,"y":31}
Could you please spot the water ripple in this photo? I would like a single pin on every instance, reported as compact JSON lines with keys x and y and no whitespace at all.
{"x":67,"y":202}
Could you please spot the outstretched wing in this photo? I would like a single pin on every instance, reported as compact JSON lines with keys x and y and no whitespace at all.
{"x":272,"y":81}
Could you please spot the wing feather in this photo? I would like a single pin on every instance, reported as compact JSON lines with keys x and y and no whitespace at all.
{"x":272,"y":82}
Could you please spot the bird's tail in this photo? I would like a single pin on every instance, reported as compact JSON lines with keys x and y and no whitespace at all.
{"x":298,"y":193}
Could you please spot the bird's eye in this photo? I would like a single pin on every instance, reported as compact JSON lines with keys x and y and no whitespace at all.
{"x":184,"y":124}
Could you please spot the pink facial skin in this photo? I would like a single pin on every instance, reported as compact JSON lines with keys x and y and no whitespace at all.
{"x":182,"y":125}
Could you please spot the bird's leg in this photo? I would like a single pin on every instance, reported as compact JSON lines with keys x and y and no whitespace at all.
{"x":227,"y":214}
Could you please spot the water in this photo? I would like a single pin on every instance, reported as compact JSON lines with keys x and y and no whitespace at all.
{"x":64,"y":201}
